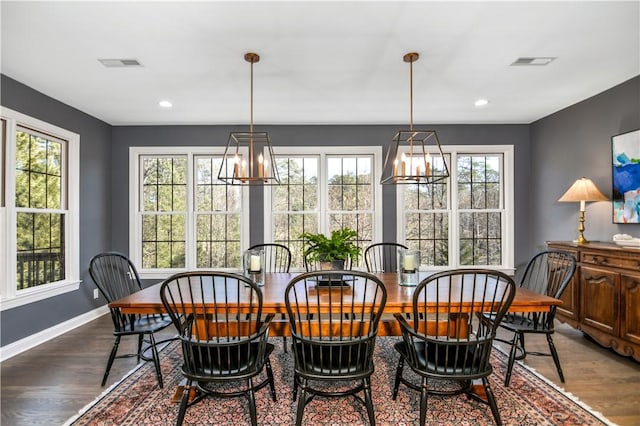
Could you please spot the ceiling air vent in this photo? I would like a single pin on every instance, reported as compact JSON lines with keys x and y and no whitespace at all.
{"x":532,"y":60}
{"x":120,"y":63}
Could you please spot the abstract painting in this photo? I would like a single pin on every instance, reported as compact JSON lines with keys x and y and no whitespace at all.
{"x":626,"y":177}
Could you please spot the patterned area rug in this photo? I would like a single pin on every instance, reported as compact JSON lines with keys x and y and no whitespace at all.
{"x":529,"y":400}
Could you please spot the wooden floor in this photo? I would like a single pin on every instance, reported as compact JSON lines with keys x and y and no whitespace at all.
{"x":50,"y":383}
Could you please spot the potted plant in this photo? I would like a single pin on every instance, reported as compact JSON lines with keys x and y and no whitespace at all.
{"x":332,"y":252}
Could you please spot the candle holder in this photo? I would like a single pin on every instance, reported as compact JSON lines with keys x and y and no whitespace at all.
{"x":254,"y":265}
{"x":408,"y":266}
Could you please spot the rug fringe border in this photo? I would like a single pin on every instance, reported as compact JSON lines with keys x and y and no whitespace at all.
{"x":598,"y":415}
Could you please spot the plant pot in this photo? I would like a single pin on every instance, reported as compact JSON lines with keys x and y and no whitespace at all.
{"x":333,"y":265}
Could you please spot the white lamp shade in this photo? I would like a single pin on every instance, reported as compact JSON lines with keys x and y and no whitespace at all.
{"x":583,"y":190}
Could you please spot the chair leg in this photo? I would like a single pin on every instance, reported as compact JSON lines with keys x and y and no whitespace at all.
{"x":423,"y":402}
{"x":295,"y":387}
{"x":156,"y":359}
{"x":140,"y":342}
{"x":396,"y":385}
{"x":252,"y":403}
{"x":272,"y":385}
{"x":184,"y":402}
{"x":301,"y":403}
{"x":492,"y":401}
{"x":112,"y":356}
{"x":284,"y":338}
{"x":368,"y":401}
{"x":512,"y":359}
{"x":554,"y":354}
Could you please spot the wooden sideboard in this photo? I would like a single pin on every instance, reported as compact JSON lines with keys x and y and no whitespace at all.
{"x":603,"y":298}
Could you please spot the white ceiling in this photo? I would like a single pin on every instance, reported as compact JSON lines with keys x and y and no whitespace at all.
{"x":321,"y":62}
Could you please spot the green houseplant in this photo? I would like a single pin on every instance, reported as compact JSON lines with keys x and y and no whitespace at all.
{"x":340,"y":246}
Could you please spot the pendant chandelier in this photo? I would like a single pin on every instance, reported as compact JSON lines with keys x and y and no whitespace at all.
{"x":248,"y":157}
{"x":414,"y":156}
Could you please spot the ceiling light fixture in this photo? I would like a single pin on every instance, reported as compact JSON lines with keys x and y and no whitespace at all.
{"x":481,"y":102}
{"x":165,"y":104}
{"x":248,"y":157}
{"x":414,"y":156}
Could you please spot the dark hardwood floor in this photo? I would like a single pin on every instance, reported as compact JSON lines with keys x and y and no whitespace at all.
{"x":50,"y":383}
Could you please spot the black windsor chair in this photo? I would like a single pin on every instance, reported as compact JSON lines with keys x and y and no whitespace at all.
{"x":383,"y":257}
{"x":218,"y":344}
{"x":277,"y":258}
{"x":334,"y":323}
{"x":116,"y":277}
{"x":548,"y":273}
{"x":446,"y":341}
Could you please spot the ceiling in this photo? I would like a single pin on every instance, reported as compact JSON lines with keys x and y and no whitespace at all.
{"x":321,"y":62}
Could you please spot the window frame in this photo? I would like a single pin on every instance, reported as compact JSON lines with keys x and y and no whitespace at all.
{"x":135,"y":214}
{"x":10,"y":296}
{"x":508,"y":219}
{"x":322,"y":152}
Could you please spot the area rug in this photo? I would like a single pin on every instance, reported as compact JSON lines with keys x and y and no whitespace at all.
{"x":529,"y":400}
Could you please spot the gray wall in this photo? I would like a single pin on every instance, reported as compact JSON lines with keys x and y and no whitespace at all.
{"x":125,"y":137}
{"x":549,"y":155}
{"x":95,"y":194}
{"x":576,"y":142}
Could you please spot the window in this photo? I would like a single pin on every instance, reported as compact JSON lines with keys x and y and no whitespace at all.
{"x":39,"y":210}
{"x":183,"y":216}
{"x":468,"y":223}
{"x":218,"y":217}
{"x":164,"y":211}
{"x":334,"y":188}
{"x":40,"y":202}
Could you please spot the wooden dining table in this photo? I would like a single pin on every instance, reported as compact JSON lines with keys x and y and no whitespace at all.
{"x":399,"y":300}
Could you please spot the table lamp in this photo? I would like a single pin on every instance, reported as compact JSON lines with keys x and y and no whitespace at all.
{"x":583,"y":190}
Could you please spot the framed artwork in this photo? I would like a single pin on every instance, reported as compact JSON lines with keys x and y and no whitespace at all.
{"x":626,"y":177}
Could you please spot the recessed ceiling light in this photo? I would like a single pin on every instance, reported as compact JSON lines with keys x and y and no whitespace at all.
{"x":481,"y":102}
{"x":165,"y":104}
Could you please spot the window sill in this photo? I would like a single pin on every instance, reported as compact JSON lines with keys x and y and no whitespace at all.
{"x":35,"y":294}
{"x":162,"y":274}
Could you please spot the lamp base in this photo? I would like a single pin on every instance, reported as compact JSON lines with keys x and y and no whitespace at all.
{"x":581,"y":239}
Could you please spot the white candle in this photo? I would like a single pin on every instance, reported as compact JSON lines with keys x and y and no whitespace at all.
{"x":409,"y":262}
{"x":236,"y":161}
{"x":254,"y":263}
{"x":404,"y":165}
{"x":260,"y":165}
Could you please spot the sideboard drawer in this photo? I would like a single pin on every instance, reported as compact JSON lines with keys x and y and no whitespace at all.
{"x":610,"y":261}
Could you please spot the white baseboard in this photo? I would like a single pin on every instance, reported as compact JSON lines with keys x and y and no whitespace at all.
{"x":34,"y":340}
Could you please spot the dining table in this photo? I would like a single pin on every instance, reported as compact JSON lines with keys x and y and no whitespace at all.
{"x":399,"y":300}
